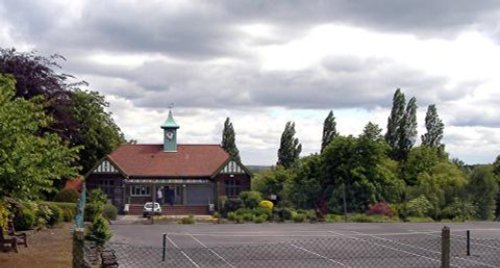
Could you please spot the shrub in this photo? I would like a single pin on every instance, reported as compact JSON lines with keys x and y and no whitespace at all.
{"x":232,"y":216}
{"x":330,"y":218}
{"x":4,"y":214}
{"x":56,"y":215}
{"x":287,"y":214}
{"x":239,"y":219}
{"x":24,"y":220}
{"x":67,"y":195}
{"x":98,"y":196}
{"x":380,"y":208}
{"x":251,"y":199}
{"x":99,"y":231}
{"x":231,"y":205}
{"x":68,"y":209}
{"x":43,"y":214}
{"x":259,"y":219}
{"x":110,"y":212}
{"x":247,"y":216}
{"x":188,"y":220}
{"x":419,"y":206}
{"x":266,"y":204}
{"x":92,"y":210}
{"x":419,"y":219}
{"x":299,"y":217}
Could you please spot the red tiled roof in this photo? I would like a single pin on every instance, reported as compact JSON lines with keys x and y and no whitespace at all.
{"x":151,"y":160}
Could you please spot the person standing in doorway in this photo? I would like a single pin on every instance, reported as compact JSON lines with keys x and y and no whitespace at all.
{"x":159,"y":195}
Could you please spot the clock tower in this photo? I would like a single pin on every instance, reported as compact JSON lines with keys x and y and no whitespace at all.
{"x":170,"y":134}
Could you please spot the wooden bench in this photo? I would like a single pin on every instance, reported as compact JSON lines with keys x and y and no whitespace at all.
{"x":22,"y":238}
{"x":7,"y":244}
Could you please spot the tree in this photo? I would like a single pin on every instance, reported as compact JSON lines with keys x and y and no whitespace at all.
{"x":290,"y":147}
{"x":484,"y":190}
{"x":372,"y":132}
{"x":272,"y":181}
{"x":229,"y":140}
{"x":329,"y":130}
{"x":304,"y":187}
{"x":35,"y":76}
{"x":407,"y":130}
{"x":434,"y":126}
{"x":30,"y":162}
{"x":392,"y":135}
{"x":496,"y":166}
{"x":97,"y":131}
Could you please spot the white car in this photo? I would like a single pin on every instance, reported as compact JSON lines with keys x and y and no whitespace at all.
{"x":148,"y":208}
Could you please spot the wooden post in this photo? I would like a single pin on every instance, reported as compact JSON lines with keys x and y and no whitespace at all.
{"x":164,"y":252}
{"x":445,"y":247}
{"x":468,"y":243}
{"x":78,"y":251}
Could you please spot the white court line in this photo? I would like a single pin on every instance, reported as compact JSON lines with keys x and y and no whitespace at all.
{"x":472,"y":241}
{"x":384,"y":246}
{"x":183,"y":253}
{"x":211,"y":250}
{"x":319,"y":255}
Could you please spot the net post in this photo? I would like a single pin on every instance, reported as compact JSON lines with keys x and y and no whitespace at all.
{"x":468,"y":242}
{"x":445,"y":247}
{"x":164,"y":249}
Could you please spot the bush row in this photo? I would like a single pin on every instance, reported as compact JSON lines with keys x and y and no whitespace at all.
{"x":43,"y":214}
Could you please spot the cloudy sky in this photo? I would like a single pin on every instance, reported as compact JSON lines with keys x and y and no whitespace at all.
{"x":263,"y":63}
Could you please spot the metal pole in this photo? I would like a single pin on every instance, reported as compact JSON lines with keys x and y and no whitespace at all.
{"x":345,"y":203}
{"x":153,"y":188}
{"x":445,"y":247}
{"x":164,"y":253}
{"x":468,"y":243}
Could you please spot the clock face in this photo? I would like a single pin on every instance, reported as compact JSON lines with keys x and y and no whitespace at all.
{"x":169,"y":135}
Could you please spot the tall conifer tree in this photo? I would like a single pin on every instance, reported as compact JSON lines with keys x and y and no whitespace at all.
{"x":407,"y":130}
{"x":229,"y":140}
{"x":394,"y":122}
{"x":329,"y":130}
{"x":290,"y":147}
{"x":434,"y":126}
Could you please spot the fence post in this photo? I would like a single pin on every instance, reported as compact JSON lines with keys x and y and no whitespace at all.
{"x":164,"y":247}
{"x":445,"y":247}
{"x":78,"y":245}
{"x":468,"y":243}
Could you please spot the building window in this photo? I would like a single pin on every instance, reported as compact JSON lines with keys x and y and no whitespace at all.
{"x":232,"y":188}
{"x":140,"y":190}
{"x":106,"y":186}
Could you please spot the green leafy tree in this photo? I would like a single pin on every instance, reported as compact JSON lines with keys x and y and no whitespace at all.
{"x":304,"y":188}
{"x":229,"y":140}
{"x":98,"y":134}
{"x":329,"y":130}
{"x":496,"y":166}
{"x":290,"y":146}
{"x":407,"y":130}
{"x":484,"y":189}
{"x":392,"y":135}
{"x":372,"y":132}
{"x":434,"y":126}
{"x":30,"y":162}
{"x":272,"y":181}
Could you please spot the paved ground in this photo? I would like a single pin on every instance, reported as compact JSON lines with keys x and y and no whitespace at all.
{"x":305,"y":245}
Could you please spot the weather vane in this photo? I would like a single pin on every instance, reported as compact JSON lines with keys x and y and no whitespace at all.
{"x":171,"y":105}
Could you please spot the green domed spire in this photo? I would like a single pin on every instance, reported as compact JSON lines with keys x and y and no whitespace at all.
{"x":170,"y":123}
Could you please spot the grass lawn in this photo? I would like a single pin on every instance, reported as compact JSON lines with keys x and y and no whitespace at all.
{"x":46,"y":248}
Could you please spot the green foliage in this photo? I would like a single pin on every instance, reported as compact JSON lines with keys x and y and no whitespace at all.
{"x":24,"y":220}
{"x":231,"y":205}
{"x":97,"y":196}
{"x":272,"y":181}
{"x":187,"y":220}
{"x":250,"y":199}
{"x":407,"y":130}
{"x":359,"y":217}
{"x":372,"y":132}
{"x":333,"y":218}
{"x":98,"y":133}
{"x":229,"y":140}
{"x":110,"y":212}
{"x":43,"y":214}
{"x":68,"y":209}
{"x":31,"y":161}
{"x":232,"y":216}
{"x":99,"y":231}
{"x":298,"y":217}
{"x":259,"y":219}
{"x":392,"y":135}
{"x":290,"y":147}
{"x":67,"y":195}
{"x":434,"y":126}
{"x":461,"y":210}
{"x":305,"y":189}
{"x":93,"y":210}
{"x":484,"y":190}
{"x":56,"y":216}
{"x":419,"y":207}
{"x":4,"y":214}
{"x":419,"y":219}
{"x":329,"y":130}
